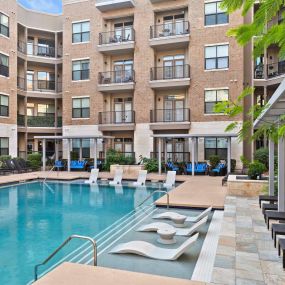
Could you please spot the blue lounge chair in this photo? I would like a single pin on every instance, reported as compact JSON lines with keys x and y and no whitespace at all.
{"x":219,"y":169}
{"x":59,"y":165}
{"x":201,"y":168}
{"x":77,"y":165}
{"x":99,"y":165}
{"x":170,"y":165}
{"x":188,"y":169}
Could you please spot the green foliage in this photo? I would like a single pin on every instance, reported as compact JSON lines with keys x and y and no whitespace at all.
{"x":116,"y":157}
{"x":214,"y":160}
{"x":262,"y":155}
{"x":244,"y":161}
{"x":35,"y":160}
{"x":3,"y":158}
{"x":256,"y":169}
{"x":150,"y":164}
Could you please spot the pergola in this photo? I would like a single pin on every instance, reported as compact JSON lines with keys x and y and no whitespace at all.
{"x":271,"y":115}
{"x":194,"y":152}
{"x":69,"y":143}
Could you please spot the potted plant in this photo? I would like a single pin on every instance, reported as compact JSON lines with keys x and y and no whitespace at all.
{"x":255,"y":170}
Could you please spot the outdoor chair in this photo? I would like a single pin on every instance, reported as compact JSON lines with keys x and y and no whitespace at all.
{"x":170,"y":179}
{"x":59,"y":165}
{"x":149,"y":250}
{"x":268,"y":207}
{"x":188,"y":168}
{"x":220,"y":169}
{"x":11,"y":166}
{"x":18,"y":166}
{"x":77,"y":165}
{"x":141,"y":178}
{"x":170,"y":165}
{"x":99,"y":165}
{"x":117,"y":177}
{"x":201,"y":168}
{"x":93,"y":177}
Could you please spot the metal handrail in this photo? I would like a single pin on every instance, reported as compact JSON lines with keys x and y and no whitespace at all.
{"x":156,"y":191}
{"x":44,"y":181}
{"x":62,"y":245}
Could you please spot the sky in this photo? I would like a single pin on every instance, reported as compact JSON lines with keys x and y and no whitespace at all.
{"x":49,"y":6}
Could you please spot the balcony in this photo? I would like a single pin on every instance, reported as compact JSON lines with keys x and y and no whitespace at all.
{"x":170,"y":119}
{"x":116,"y":81}
{"x":39,"y":50}
{"x":40,"y":86}
{"x":172,"y":156}
{"x":117,"y":42}
{"x":4,"y":70}
{"x":170,"y":76}
{"x":108,"y":5}
{"x":273,"y":73}
{"x":39,"y":121}
{"x":117,"y":121}
{"x":170,"y":35}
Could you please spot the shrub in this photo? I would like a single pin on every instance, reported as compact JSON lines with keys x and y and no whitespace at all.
{"x":150,"y":164}
{"x":35,"y":160}
{"x":116,"y":157}
{"x":262,"y":155}
{"x":244,"y":161}
{"x":214,"y":160}
{"x":3,"y":158}
{"x":256,"y":169}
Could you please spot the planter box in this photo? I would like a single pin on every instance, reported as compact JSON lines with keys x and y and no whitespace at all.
{"x":129,"y":170}
{"x":245,"y":187}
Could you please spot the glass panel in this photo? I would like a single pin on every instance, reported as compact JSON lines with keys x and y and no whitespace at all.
{"x":222,"y":18}
{"x":209,"y":152}
{"x":222,"y":95}
{"x":76,"y":28}
{"x":210,"y":8}
{"x":76,"y":113}
{"x":4,"y":100}
{"x":85,"y":27}
{"x":76,"y":103}
{"x":210,"y":63}
{"x":210,"y":142}
{"x":76,"y":65}
{"x":222,"y":51}
{"x":85,"y":103}
{"x":128,"y":147}
{"x":76,"y":38}
{"x":76,"y":143}
{"x":86,"y":143}
{"x":86,"y":37}
{"x":210,"y":95}
{"x":223,"y":62}
{"x":42,"y":108}
{"x":210,"y":20}
{"x":30,"y":48}
{"x":219,"y":9}
{"x":4,"y":20}
{"x":222,"y":143}
{"x":4,"y":60}
{"x":210,"y":52}
{"x":4,"y":143}
{"x":42,"y":75}
{"x":179,"y":27}
{"x":86,"y":113}
{"x":209,"y":106}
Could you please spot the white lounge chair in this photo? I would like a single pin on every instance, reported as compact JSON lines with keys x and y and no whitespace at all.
{"x":176,"y":216}
{"x":154,"y":227}
{"x":149,"y":250}
{"x":141,"y":178}
{"x":170,"y":179}
{"x":118,"y":177}
{"x":93,"y":176}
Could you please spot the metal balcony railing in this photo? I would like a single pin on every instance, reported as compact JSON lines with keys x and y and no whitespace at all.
{"x":117,"y":117}
{"x":4,"y":70}
{"x":41,"y":121}
{"x":119,"y":36}
{"x":38,"y":85}
{"x":168,"y":29}
{"x":21,"y":120}
{"x":272,"y":70}
{"x":170,"y":72}
{"x":172,"y":156}
{"x":170,"y":115}
{"x":111,"y":77}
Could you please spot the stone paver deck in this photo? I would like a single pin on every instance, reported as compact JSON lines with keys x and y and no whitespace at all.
{"x":246,"y":253}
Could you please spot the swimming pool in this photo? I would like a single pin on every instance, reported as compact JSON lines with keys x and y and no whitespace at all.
{"x":35,"y":218}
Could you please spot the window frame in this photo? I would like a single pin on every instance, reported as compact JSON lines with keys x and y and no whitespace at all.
{"x":80,"y":33}
{"x":216,"y":148}
{"x":80,"y":61}
{"x":6,"y":148}
{"x":5,"y":27}
{"x":214,"y":14}
{"x":216,"y":91}
{"x":4,"y":69}
{"x":4,"y":106}
{"x":216,"y":57}
{"x":81,"y":109}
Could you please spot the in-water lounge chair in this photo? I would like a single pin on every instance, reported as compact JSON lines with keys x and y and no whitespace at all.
{"x":117,"y":178}
{"x":149,"y":250}
{"x":141,"y":178}
{"x":170,"y":179}
{"x":176,"y":216}
{"x":154,"y":227}
{"x":93,"y":176}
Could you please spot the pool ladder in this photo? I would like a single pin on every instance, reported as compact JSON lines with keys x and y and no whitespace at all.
{"x":92,"y":241}
{"x":45,"y":179}
{"x":156,"y":191}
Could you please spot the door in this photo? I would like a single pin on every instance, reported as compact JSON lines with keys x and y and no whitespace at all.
{"x":128,"y":112}
{"x":30,"y":81}
{"x":179,"y":68}
{"x":167,"y":68}
{"x":169,"y":149}
{"x":128,"y":149}
{"x":118,"y":113}
{"x":179,"y":110}
{"x":30,"y":47}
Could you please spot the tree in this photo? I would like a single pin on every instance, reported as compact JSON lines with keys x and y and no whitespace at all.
{"x":266,"y":33}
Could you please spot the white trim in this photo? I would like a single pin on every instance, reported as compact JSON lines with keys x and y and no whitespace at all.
{"x":85,"y":80}
{"x":80,"y":43}
{"x":79,"y":97}
{"x":74,"y":119}
{"x":218,"y":88}
{"x":4,"y":53}
{"x":218,"y":25}
{"x":215,"y":114}
{"x":217,"y":44}
{"x":1,"y":35}
{"x":3,"y":117}
{"x":2,"y":76}
{"x":80,"y":21}
{"x":5,"y":94}
{"x":221,"y":69}
{"x":5,"y":15}
{"x":77,"y":59}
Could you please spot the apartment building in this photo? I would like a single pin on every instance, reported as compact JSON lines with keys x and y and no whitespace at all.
{"x":129,"y":69}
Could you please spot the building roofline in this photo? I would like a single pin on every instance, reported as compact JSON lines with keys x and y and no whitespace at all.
{"x":39,"y":12}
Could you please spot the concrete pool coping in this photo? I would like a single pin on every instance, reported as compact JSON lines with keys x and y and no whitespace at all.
{"x":194,"y":192}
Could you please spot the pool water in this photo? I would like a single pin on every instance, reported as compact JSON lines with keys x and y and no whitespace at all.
{"x":35,"y":218}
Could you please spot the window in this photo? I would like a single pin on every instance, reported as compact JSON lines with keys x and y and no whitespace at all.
{"x":212,"y":97}
{"x":46,"y":110}
{"x":85,"y":146}
{"x":80,"y":108}
{"x":80,"y":70}
{"x":81,"y":32}
{"x":4,"y":25}
{"x":4,"y":65}
{"x":4,"y":105}
{"x":214,"y":15}
{"x":4,"y":146}
{"x":216,"y":57}
{"x":46,"y":80}
{"x":216,"y":146}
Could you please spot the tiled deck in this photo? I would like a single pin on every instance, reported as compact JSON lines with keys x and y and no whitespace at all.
{"x":246,"y":254}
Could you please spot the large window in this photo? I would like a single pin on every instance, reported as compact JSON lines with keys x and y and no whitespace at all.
{"x":4,"y":106}
{"x":46,"y":110}
{"x":216,"y":57}
{"x":81,"y":32}
{"x":85,"y":146}
{"x":214,"y":15}
{"x":4,"y":65}
{"x":80,"y":70}
{"x":4,"y":25}
{"x":216,"y":146}
{"x":212,"y":97}
{"x":80,"y":107}
{"x":4,"y":146}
